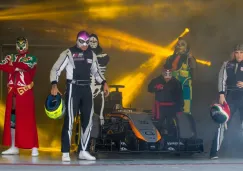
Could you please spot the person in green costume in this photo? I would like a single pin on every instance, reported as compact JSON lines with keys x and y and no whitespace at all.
{"x":183,"y":66}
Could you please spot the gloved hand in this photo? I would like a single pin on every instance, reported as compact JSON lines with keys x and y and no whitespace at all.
{"x":102,"y":120}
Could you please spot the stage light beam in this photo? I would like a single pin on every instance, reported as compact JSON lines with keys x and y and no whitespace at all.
{"x":175,"y":41}
{"x":126,"y":42}
{"x":136,"y":79}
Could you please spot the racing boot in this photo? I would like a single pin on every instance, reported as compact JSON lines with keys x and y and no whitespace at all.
{"x":35,"y":152}
{"x":214,"y":156}
{"x":84,"y":155}
{"x":213,"y":152}
{"x":12,"y":150}
{"x":66,"y":157}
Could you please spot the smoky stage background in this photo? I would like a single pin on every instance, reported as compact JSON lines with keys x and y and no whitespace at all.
{"x":214,"y":28}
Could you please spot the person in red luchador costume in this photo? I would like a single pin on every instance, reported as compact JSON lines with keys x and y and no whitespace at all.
{"x":20,"y":129}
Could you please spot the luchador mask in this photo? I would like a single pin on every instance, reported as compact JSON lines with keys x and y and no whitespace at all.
{"x":167,"y":74}
{"x":83,"y":40}
{"x":181,"y":46}
{"x":22,"y":45}
{"x":93,"y":42}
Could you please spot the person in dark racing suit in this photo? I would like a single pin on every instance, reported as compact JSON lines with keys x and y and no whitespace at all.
{"x":168,"y":100}
{"x":80,"y":62}
{"x":230,"y":87}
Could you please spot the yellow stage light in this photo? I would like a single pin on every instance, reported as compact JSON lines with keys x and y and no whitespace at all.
{"x":170,"y":46}
{"x":135,"y":80}
{"x":208,"y":63}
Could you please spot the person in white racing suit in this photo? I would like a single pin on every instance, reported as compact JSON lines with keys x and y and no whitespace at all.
{"x":97,"y":91}
{"x":230,"y":87}
{"x":80,"y":62}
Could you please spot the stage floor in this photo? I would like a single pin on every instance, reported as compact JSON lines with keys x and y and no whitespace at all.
{"x":110,"y":162}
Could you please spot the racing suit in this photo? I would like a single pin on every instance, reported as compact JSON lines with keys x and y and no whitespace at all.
{"x":183,"y":68}
{"x":230,"y":73}
{"x":79,"y":66}
{"x":168,"y":101}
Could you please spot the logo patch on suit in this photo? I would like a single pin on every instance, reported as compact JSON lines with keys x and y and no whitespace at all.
{"x":159,"y":86}
{"x":230,"y":65}
{"x":241,"y":68}
{"x":89,"y":61}
{"x":78,"y":56}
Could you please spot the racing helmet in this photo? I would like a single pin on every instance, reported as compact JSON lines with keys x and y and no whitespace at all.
{"x":220,"y":113}
{"x":54,"y":106}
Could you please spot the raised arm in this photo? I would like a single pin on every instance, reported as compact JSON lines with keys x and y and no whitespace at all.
{"x":154,"y":86}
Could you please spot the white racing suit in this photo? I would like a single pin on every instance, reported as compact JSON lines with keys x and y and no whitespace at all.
{"x":79,"y":66}
{"x":231,"y":72}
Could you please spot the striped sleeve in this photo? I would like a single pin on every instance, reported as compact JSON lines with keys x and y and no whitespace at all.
{"x":58,"y":67}
{"x":222,"y":79}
